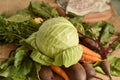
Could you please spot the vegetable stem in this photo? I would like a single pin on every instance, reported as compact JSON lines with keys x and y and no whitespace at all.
{"x":114,"y":41}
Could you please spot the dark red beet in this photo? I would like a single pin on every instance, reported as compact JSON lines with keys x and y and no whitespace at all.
{"x":76,"y":72}
{"x":90,"y":43}
{"x":46,"y":73}
{"x":106,"y":68}
{"x":90,"y":71}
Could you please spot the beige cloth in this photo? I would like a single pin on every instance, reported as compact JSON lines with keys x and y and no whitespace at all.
{"x":83,"y":7}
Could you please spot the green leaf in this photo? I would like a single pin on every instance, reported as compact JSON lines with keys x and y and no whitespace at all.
{"x":19,"y":18}
{"x":6,"y":68}
{"x":94,"y":29}
{"x":77,"y":22}
{"x":68,"y":57}
{"x":19,"y":56}
{"x":41,"y":58}
{"x":22,"y":70}
{"x":106,"y":33}
{"x":114,"y":66}
{"x":48,"y":9}
{"x":116,"y":45}
{"x":34,"y":73}
{"x":7,"y":72}
{"x":6,"y":64}
{"x":43,"y":10}
{"x":4,"y":78}
{"x":23,"y":12}
{"x":13,"y":32}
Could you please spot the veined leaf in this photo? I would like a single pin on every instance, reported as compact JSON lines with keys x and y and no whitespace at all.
{"x":106,"y":33}
{"x":19,"y":18}
{"x":43,"y":10}
{"x":22,"y":70}
{"x":19,"y":56}
{"x":34,"y":73}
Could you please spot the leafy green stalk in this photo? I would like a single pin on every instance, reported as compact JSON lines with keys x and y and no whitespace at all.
{"x":16,"y":27}
{"x":43,"y":10}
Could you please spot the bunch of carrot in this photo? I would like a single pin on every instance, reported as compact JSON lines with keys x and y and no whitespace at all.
{"x":90,"y":55}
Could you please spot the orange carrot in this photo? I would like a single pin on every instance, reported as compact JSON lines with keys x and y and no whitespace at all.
{"x":90,"y":58}
{"x":90,"y":52}
{"x":59,"y":71}
{"x":89,"y":55}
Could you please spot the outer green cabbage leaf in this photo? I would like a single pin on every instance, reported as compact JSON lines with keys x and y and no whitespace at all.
{"x":41,"y":58}
{"x":69,"y":56}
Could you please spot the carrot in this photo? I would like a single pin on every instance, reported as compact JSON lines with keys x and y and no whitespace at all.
{"x":59,"y":71}
{"x":90,"y":58}
{"x":89,"y":55}
{"x":90,"y":52}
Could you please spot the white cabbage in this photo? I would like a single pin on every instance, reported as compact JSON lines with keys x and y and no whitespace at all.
{"x":56,"y":42}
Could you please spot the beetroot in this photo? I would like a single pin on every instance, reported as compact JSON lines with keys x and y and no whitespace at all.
{"x":90,"y":71}
{"x":76,"y":72}
{"x":46,"y":73}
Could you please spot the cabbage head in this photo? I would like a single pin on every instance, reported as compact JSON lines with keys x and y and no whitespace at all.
{"x":56,"y":42}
